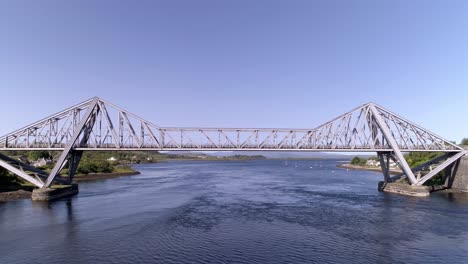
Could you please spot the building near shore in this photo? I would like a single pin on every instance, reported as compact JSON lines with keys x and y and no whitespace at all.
{"x":42,"y":162}
{"x":375,"y":163}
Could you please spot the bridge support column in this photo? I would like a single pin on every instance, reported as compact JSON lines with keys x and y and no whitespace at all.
{"x":458,"y":179}
{"x":85,"y":126}
{"x":73,"y":161}
{"x":389,"y":184}
{"x":384,"y":158}
{"x":405,"y":189}
{"x":47,"y":194}
{"x":398,"y":156}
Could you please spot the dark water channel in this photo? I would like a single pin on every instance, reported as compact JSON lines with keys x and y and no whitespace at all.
{"x":262,"y":211}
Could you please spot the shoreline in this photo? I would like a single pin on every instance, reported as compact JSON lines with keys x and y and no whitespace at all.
{"x":20,"y":194}
{"x":103,"y":176}
{"x":15,"y":195}
{"x":366,"y":168}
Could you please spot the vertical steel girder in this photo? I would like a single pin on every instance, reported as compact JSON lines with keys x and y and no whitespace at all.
{"x":74,"y":160}
{"x":384,"y":159}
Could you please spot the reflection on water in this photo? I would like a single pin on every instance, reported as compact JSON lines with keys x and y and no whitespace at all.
{"x":237,"y":212}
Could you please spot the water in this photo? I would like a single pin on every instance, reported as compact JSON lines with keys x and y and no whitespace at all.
{"x":237,"y":212}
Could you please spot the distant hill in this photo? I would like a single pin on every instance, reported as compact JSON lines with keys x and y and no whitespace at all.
{"x":273,"y":154}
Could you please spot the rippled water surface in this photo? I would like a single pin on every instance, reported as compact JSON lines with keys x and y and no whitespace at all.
{"x":263,"y":211}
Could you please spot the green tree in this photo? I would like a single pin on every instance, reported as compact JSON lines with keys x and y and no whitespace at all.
{"x":415,"y":159}
{"x":103,"y":166}
{"x":7,"y":180}
{"x":87,"y":166}
{"x":35,"y":155}
{"x":358,"y":161}
{"x":464,"y":142}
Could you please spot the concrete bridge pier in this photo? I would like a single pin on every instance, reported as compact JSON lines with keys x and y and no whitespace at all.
{"x":405,"y":189}
{"x":54,"y":192}
{"x":459,"y":181}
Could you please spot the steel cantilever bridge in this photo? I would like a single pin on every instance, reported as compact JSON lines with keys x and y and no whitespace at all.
{"x":100,"y":125}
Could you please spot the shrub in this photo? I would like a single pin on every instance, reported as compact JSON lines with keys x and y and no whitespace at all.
{"x":98,"y":166}
{"x":35,"y":155}
{"x":358,"y":161}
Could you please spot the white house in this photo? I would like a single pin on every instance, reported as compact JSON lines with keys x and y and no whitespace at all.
{"x":373,"y":163}
{"x":41,"y":162}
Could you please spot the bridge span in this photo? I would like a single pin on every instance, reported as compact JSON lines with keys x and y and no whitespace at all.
{"x":97,"y":124}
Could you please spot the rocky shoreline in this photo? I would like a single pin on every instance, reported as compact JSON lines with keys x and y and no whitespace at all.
{"x":14,"y":195}
{"x":24,"y":194}
{"x":103,"y":176}
{"x":357,"y":167}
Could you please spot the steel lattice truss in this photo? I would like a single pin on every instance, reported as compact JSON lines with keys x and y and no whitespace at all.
{"x":99,"y":125}
{"x":115,"y":128}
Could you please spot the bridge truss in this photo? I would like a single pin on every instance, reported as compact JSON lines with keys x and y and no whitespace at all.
{"x":100,"y":125}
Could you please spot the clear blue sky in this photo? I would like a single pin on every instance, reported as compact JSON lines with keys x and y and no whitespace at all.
{"x":237,"y":63}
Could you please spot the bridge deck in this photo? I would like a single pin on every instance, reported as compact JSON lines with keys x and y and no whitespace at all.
{"x":232,"y":149}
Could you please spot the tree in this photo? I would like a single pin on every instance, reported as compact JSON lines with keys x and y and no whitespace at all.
{"x":417,"y":158}
{"x":7,"y":180}
{"x":103,"y":166}
{"x":35,"y":155}
{"x":86,"y":167}
{"x":94,"y":166}
{"x":358,"y":161}
{"x":464,"y":142}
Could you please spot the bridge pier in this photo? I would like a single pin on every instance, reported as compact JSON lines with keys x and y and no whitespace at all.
{"x":53,"y":193}
{"x":459,"y":181}
{"x":405,"y":189}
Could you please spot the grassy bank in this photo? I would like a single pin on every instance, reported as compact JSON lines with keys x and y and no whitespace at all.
{"x":368,"y":168}
{"x":103,"y":175}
